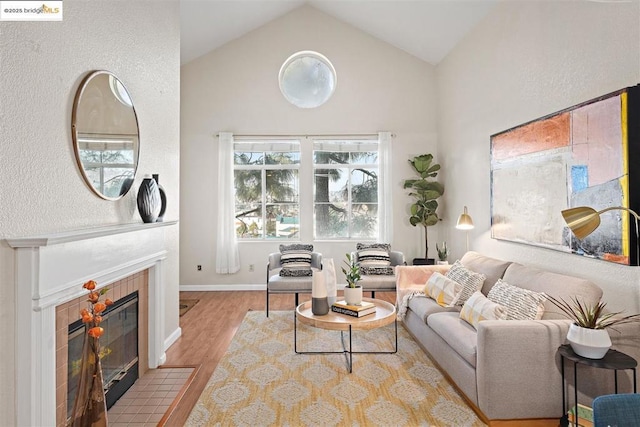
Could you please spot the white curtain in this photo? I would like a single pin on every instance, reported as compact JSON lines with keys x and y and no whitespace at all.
{"x":385,"y":190}
{"x":227,"y":254}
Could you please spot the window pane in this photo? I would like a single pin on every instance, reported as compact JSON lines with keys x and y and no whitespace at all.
{"x":331,"y":220}
{"x":248,"y":158}
{"x":368,"y":158}
{"x":248,"y":221}
{"x":364,"y":220}
{"x":364,"y":185}
{"x":283,"y":221}
{"x":330,"y":157}
{"x":282,"y":185}
{"x":288,"y":158}
{"x":331,"y":185}
{"x":248,"y":186}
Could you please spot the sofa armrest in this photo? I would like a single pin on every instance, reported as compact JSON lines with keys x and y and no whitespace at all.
{"x":517,"y":368}
{"x":413,"y":277}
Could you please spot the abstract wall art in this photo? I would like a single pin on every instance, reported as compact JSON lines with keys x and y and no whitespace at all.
{"x":585,"y":155}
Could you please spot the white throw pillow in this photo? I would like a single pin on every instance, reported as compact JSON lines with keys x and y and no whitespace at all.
{"x":479,"y":308}
{"x":443,"y":290}
{"x":470,"y":280}
{"x":521,"y":304}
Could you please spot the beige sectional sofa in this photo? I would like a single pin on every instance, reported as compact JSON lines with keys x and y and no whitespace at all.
{"x":508,"y":369}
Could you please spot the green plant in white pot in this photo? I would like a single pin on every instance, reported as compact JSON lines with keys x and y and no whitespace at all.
{"x":587,"y":334}
{"x":353,"y":291}
{"x":425,"y":191}
{"x":443,"y":253}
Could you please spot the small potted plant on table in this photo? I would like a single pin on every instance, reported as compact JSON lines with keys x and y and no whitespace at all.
{"x":587,"y":334}
{"x":353,"y":291}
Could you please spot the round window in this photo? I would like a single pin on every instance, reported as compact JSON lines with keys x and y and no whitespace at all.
{"x":307,"y":79}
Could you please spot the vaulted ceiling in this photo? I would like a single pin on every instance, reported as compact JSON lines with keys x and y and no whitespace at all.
{"x":427,"y":29}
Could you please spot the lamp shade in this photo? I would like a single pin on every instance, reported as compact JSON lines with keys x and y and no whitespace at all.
{"x":464,"y":221}
{"x":581,"y":220}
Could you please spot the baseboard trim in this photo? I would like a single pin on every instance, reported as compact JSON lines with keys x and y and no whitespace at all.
{"x":238,"y":287}
{"x":172,"y":338}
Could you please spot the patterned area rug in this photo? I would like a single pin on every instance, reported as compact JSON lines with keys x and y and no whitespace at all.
{"x":261,"y":381}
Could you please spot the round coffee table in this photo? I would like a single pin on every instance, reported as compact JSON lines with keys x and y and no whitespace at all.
{"x":384,"y":315}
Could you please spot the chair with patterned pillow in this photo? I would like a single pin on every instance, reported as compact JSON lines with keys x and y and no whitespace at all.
{"x":377,"y":267}
{"x":290,"y":270}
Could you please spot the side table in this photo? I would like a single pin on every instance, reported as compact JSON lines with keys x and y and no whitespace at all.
{"x":615,"y":360}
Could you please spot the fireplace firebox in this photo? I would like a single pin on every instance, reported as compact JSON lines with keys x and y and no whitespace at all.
{"x":119,"y":350}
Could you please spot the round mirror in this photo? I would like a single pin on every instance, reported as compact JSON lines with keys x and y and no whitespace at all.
{"x":104,"y":126}
{"x":307,"y":79}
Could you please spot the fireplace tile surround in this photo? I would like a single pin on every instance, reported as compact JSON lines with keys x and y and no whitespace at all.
{"x":50,"y":271}
{"x":69,"y":312}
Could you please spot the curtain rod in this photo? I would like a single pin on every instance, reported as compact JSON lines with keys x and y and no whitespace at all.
{"x":328,"y":135}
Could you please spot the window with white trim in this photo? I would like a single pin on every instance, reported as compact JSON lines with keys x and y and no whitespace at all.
{"x":345,"y":189}
{"x":340,"y":198}
{"x":267,"y":183}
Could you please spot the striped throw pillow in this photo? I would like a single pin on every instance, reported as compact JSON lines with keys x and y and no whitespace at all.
{"x":295,"y":257}
{"x":479,"y":308}
{"x":469,"y":280}
{"x":443,"y":290}
{"x":521,"y":304}
{"x":374,"y":254}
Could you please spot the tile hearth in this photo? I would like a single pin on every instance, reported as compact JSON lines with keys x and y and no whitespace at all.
{"x":147,"y":402}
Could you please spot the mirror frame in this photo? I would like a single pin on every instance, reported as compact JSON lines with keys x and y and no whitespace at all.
{"x":74,"y":133}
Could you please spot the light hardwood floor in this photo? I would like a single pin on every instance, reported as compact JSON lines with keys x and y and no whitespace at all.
{"x":207,"y":330}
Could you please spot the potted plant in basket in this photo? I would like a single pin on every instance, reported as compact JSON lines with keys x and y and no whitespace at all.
{"x":425,"y":191}
{"x":587,"y":334}
{"x":353,"y":291}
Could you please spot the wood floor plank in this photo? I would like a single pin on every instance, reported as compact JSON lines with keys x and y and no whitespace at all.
{"x":207,"y":331}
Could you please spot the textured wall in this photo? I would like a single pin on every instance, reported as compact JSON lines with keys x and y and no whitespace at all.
{"x":42,"y":64}
{"x":235,"y":88}
{"x":525,"y":60}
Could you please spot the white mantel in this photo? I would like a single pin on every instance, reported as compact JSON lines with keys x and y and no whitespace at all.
{"x":50,"y":270}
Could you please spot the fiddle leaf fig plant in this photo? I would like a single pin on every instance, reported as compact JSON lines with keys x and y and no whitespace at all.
{"x":425,"y":191}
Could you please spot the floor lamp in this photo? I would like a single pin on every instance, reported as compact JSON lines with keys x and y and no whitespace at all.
{"x":465,"y":223}
{"x":584,"y":220}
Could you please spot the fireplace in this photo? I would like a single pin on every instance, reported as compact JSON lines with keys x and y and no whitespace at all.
{"x":50,"y":271}
{"x":119,"y":350}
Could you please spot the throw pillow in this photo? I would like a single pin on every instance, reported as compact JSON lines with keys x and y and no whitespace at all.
{"x":294,"y":258}
{"x":469,"y":280}
{"x":377,"y":271}
{"x":443,"y":290}
{"x":521,"y":304}
{"x":478,"y":308}
{"x":295,"y":272}
{"x":374,"y":254}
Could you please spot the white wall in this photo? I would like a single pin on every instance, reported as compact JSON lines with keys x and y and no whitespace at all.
{"x":42,"y":64}
{"x":525,"y":60}
{"x":235,"y":88}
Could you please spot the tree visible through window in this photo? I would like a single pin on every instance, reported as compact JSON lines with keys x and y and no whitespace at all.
{"x":345,"y":189}
{"x":267,"y":189}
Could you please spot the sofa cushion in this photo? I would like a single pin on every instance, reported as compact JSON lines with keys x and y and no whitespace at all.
{"x":443,"y":290}
{"x":479,"y":307}
{"x":554,"y":284}
{"x":424,"y":307}
{"x":492,"y":268}
{"x":470,"y":280}
{"x":521,"y":304}
{"x":460,"y":335}
{"x":374,"y":254}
